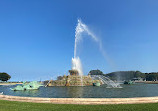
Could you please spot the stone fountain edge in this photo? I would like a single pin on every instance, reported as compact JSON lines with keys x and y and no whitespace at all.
{"x":135,"y":100}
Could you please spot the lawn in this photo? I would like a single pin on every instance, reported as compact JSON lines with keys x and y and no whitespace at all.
{"x":25,"y":106}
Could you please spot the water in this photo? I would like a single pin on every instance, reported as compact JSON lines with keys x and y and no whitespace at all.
{"x":76,"y":65}
{"x":80,"y":29}
{"x":107,"y":81}
{"x":136,"y":90}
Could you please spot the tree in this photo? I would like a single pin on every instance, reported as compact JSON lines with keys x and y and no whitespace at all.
{"x":95,"y":72}
{"x":139,"y":74}
{"x":125,"y":75}
{"x":4,"y":76}
{"x":153,"y":76}
{"x":59,"y":77}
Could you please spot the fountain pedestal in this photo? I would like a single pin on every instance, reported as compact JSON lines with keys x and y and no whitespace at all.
{"x":74,"y":80}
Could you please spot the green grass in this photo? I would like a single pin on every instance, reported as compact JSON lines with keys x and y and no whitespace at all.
{"x":24,"y":106}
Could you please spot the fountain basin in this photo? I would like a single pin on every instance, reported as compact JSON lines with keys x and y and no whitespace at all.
{"x":82,"y":100}
{"x":128,"y":91}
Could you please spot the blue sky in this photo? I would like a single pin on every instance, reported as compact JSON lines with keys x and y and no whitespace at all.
{"x":37,"y":36}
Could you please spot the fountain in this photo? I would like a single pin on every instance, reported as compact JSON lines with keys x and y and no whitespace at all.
{"x":76,"y":77}
{"x":107,"y":81}
{"x":81,"y":28}
{"x":27,"y":86}
{"x":76,"y":63}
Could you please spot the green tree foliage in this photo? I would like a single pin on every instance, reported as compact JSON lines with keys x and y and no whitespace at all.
{"x":139,"y":74}
{"x":125,"y":75}
{"x":153,"y":76}
{"x":95,"y":72}
{"x":4,"y":76}
{"x":59,"y":77}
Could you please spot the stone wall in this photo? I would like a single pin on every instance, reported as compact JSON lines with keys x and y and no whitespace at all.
{"x":82,"y":100}
{"x":74,"y":80}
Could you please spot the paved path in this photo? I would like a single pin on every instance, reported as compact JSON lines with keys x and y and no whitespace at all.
{"x":9,"y":83}
{"x":82,"y":100}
